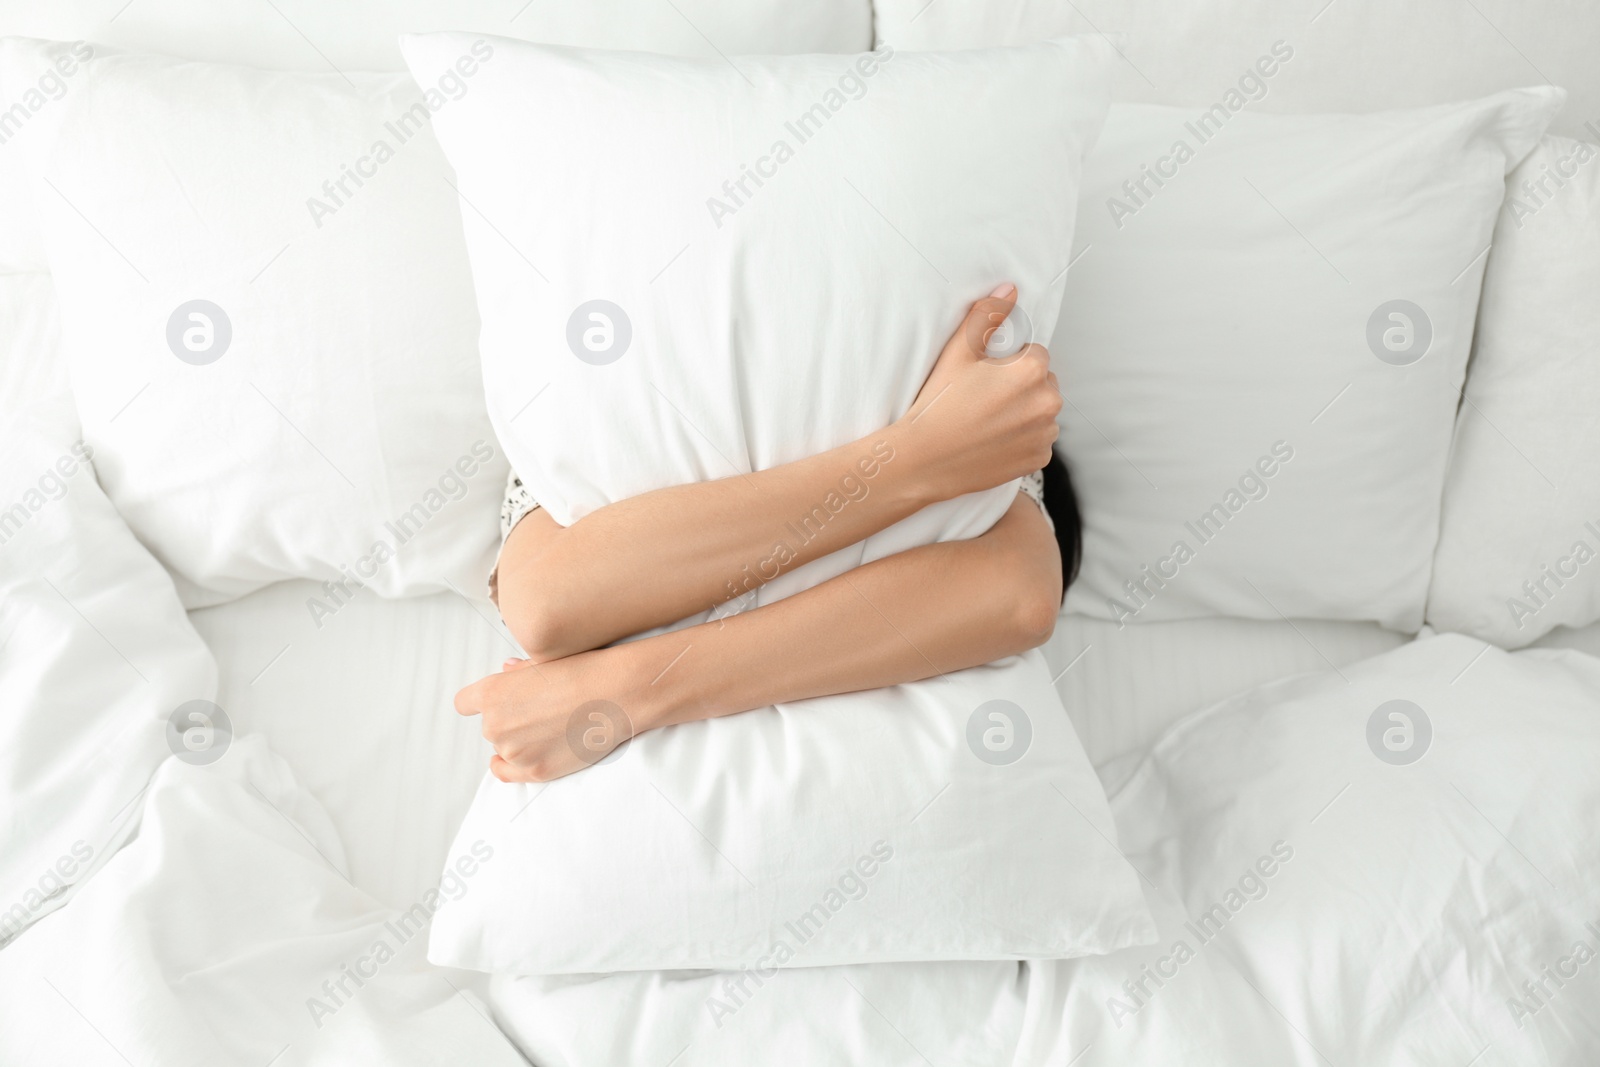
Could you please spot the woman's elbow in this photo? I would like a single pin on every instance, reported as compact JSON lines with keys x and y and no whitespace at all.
{"x":538,"y":623}
{"x":1034,"y":612}
{"x":1026,"y":599}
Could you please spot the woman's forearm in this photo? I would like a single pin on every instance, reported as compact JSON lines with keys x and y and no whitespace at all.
{"x":664,"y":555}
{"x":923,"y":612}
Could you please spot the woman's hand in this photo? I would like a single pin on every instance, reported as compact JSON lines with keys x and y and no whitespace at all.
{"x":980,"y":422}
{"x":928,"y":610}
{"x":547,"y":720}
{"x":661,"y":556}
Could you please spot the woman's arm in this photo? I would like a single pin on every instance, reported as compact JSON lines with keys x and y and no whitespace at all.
{"x":662,"y":556}
{"x":927,"y":611}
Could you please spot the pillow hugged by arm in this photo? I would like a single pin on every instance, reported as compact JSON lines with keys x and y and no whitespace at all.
{"x":568,"y":592}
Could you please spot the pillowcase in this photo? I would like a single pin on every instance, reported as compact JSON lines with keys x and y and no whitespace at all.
{"x":267,"y":316}
{"x":1355,"y":56}
{"x":363,"y":35}
{"x":1521,"y":526}
{"x":752,"y":265}
{"x":1399,"y":856}
{"x":99,"y":659}
{"x":1236,"y":272}
{"x":1262,"y":347}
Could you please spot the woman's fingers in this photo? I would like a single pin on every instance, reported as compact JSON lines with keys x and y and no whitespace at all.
{"x":985,"y":317}
{"x":547,"y":769}
{"x":966,"y":346}
{"x":507,"y":771}
{"x":999,"y":418}
{"x":469,"y":701}
{"x":1032,"y":357}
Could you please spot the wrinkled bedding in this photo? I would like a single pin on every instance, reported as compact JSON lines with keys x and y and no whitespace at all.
{"x":254,"y":895}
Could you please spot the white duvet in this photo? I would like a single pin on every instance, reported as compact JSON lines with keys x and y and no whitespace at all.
{"x":227,"y":933}
{"x":1416,"y":913}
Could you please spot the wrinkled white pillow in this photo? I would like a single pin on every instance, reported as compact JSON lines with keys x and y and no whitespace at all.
{"x":1519,"y":546}
{"x":747,"y":264}
{"x":267,"y":316}
{"x":97,"y":656}
{"x":1398,"y":856}
{"x":1261,"y":348}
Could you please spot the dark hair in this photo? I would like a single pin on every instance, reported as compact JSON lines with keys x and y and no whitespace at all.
{"x":1062,"y":505}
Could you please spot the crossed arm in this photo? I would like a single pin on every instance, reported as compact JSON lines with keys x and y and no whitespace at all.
{"x":567,"y":593}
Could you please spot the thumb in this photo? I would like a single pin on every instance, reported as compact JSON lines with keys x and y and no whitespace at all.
{"x":985,"y":317}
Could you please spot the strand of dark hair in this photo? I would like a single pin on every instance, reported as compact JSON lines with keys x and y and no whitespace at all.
{"x":1062,"y":505}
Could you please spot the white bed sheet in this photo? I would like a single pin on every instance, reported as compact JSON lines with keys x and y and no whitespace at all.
{"x":1124,"y":687}
{"x":362,"y":706}
{"x":362,"y":709}
{"x":1581,"y":638}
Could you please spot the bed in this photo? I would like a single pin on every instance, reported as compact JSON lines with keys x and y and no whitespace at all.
{"x":1442,"y":917}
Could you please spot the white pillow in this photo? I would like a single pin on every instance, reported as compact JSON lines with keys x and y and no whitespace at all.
{"x":1521,"y":529}
{"x":743,"y":329}
{"x":1240,"y":271}
{"x":363,"y":35}
{"x":98,"y":656}
{"x":1398,"y":856}
{"x":1261,"y":355}
{"x":1349,"y":56}
{"x":321,"y":417}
